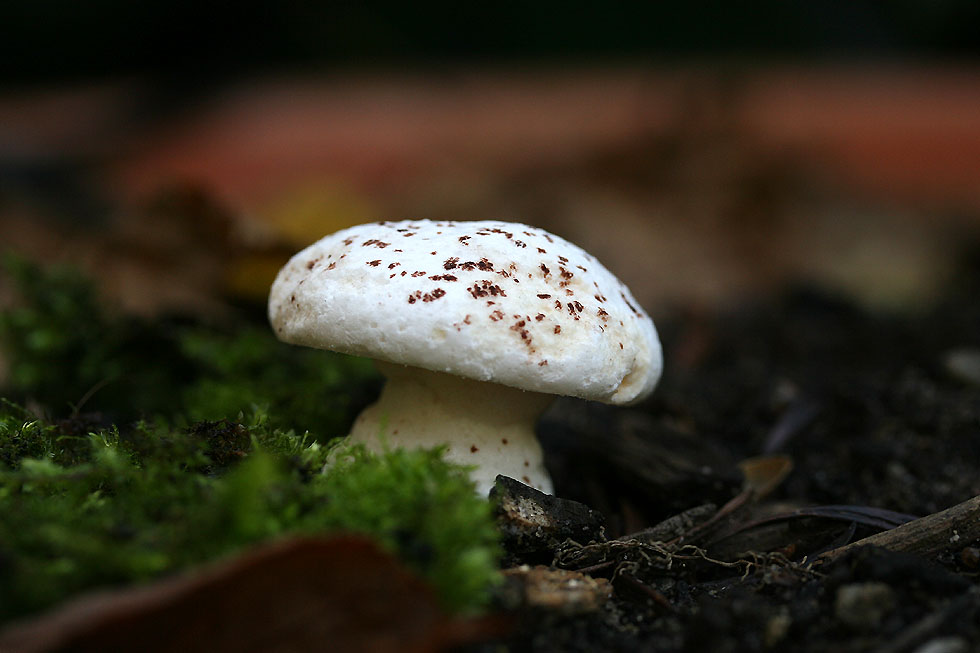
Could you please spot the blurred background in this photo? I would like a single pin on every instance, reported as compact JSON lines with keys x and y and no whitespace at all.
{"x":704,"y":151}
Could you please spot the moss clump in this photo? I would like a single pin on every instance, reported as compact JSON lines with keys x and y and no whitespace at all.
{"x":206,"y":458}
{"x":63,"y":348}
{"x":125,"y":513}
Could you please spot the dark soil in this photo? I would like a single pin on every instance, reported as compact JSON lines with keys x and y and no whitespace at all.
{"x":879,"y":417}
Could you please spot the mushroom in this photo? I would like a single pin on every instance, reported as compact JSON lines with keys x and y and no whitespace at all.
{"x":476,"y":325}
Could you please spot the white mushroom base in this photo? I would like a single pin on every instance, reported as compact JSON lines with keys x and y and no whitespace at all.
{"x":483,"y":424}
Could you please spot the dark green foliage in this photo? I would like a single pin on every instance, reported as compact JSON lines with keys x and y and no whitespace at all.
{"x":302,"y":388}
{"x":206,"y":459}
{"x":123,"y":513}
{"x":63,"y":348}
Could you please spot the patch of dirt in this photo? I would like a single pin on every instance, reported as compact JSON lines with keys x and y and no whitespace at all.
{"x":850,"y":423}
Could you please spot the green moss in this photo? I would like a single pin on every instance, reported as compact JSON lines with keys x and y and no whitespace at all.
{"x":63,"y":348}
{"x":299,"y":388}
{"x":123,"y":514}
{"x":206,"y":459}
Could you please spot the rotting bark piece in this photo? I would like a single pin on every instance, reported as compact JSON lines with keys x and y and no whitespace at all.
{"x":534,"y":524}
{"x":557,"y":590}
{"x":296,"y":595}
{"x":948,"y":529}
{"x":675,"y":527}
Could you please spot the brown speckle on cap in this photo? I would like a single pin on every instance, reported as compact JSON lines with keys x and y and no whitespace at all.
{"x":418,"y":273}
{"x":519,"y":328}
{"x":426,"y":297}
{"x":539,"y":317}
{"x":374,"y":241}
{"x":544,"y":296}
{"x":392,"y":266}
{"x":443,"y":277}
{"x":496,"y":316}
{"x":557,"y":329}
{"x":474,"y":448}
{"x":332,"y":265}
{"x":543,"y":363}
{"x":485,"y":288}
{"x":632,"y":308}
{"x":374,"y":263}
{"x":541,"y":251}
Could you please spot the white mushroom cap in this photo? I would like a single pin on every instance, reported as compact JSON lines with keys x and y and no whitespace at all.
{"x":490,"y":301}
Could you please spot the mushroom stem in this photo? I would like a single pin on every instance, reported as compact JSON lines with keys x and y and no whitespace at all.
{"x":484,"y":424}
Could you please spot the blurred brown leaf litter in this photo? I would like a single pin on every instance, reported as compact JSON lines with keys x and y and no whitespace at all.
{"x":696,"y":186}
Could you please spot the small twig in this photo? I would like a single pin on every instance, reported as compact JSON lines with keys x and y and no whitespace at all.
{"x":926,"y":536}
{"x":597,"y":567}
